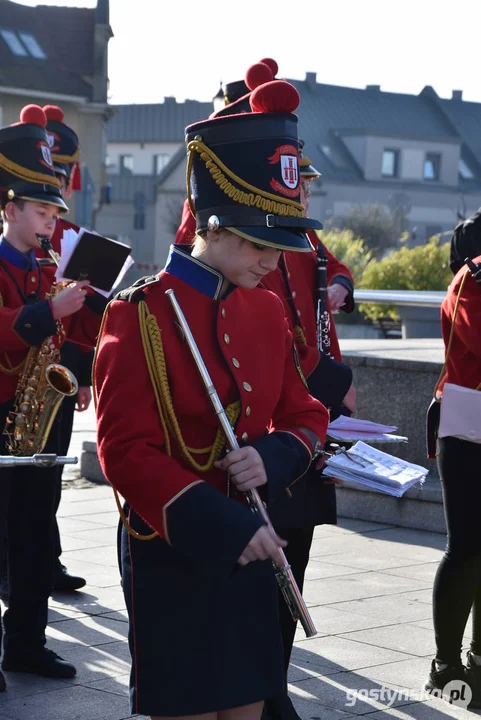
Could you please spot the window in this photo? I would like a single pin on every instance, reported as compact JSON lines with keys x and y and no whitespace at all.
{"x":464,"y":171}
{"x":32,"y":46}
{"x":390,"y":163}
{"x":14,"y":44}
{"x":160,"y":161}
{"x":432,"y":166}
{"x":126,"y":164}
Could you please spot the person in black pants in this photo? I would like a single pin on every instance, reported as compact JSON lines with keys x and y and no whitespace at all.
{"x":457,"y":585}
{"x":79,"y":361}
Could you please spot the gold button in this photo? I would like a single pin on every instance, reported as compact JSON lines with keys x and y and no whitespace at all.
{"x":248,"y":410}
{"x":226,"y":339}
{"x":246,"y":386}
{"x":299,"y":313}
{"x":33,"y":279}
{"x":294,"y":293}
{"x":235,"y":362}
{"x":27,"y":325}
{"x":222,"y":312}
{"x":245,"y":437}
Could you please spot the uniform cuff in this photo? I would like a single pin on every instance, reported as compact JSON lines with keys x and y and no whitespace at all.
{"x":97,"y":303}
{"x":35,"y":322}
{"x":286,"y":458}
{"x":210,"y":528}
{"x":349,"y":303}
{"x":330,"y":381}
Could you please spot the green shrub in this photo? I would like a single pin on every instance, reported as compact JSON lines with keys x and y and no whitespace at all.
{"x":349,"y":249}
{"x":425,"y":267}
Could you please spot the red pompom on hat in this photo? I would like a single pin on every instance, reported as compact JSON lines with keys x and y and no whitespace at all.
{"x":53,"y":112}
{"x":34,"y":115}
{"x":271,"y":64}
{"x":277,"y":96}
{"x":76,"y":178}
{"x":258,"y":74}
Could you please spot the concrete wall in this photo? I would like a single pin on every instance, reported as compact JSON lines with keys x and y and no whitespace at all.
{"x":398,"y":392}
{"x":116,"y":221}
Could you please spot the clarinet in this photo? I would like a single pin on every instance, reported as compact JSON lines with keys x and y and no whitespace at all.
{"x":322,"y":313}
{"x":285,"y":578}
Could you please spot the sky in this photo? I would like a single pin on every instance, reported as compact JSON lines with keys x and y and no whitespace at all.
{"x":184,"y":49}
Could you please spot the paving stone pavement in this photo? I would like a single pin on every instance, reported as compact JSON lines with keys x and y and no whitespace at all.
{"x":368,"y":588}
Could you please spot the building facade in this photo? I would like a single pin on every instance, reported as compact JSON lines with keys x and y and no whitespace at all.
{"x":59,"y":56}
{"x":415,"y":155}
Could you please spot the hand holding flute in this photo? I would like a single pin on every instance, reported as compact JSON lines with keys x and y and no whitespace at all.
{"x":246,"y":471}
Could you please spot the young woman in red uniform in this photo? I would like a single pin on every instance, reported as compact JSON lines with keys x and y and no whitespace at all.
{"x":201,"y":594}
{"x":457,"y":585}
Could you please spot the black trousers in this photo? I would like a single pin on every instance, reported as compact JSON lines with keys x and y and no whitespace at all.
{"x":297,"y":554}
{"x":27,"y":499}
{"x":457,"y":586}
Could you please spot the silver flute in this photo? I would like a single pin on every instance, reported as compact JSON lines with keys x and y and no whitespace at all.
{"x":284,"y":576}
{"x":42,"y":461}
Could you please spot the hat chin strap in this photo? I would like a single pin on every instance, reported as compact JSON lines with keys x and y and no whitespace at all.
{"x":209,"y":220}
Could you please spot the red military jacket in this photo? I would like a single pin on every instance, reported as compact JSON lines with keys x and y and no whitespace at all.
{"x":26,"y":314}
{"x":464,"y":361}
{"x":294,"y":281}
{"x":248,"y":350}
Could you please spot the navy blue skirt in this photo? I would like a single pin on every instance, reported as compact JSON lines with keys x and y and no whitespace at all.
{"x":199,"y":644}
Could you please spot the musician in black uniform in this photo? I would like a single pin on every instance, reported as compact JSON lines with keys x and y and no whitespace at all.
{"x":30,"y":317}
{"x":299,"y":282}
{"x":64,"y":145}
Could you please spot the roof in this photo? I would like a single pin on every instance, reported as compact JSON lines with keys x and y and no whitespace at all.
{"x":347,"y":111}
{"x":162,"y":122}
{"x":66,"y":37}
{"x":327,"y":115}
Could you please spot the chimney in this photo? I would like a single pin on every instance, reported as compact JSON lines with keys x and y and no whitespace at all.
{"x":170,"y":100}
{"x":102,"y":34}
{"x":457,"y":95}
{"x":311,"y":78}
{"x":373,"y":88}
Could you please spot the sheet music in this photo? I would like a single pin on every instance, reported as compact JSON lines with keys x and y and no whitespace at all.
{"x":375,"y":469}
{"x":351,"y":429}
{"x":68,"y":243}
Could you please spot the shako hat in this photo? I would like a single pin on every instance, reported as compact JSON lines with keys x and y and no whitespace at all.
{"x":64,"y":146}
{"x":243,"y":172}
{"x":237,"y":94}
{"x":26,"y":167}
{"x":306,"y":168}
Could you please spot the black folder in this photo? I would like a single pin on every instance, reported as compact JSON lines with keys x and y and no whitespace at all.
{"x":97,"y":259}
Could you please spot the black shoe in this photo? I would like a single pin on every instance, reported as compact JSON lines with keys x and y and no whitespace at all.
{"x":473,"y":676}
{"x":3,"y":684}
{"x":63,"y":582}
{"x":280,"y":708}
{"x":460,"y":693}
{"x":38,"y":661}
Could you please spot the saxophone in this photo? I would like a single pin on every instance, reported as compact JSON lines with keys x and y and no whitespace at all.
{"x":42,"y":386}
